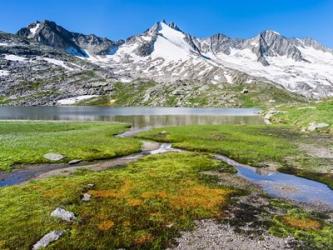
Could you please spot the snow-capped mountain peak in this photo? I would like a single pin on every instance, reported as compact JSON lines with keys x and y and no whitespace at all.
{"x":165,"y":53}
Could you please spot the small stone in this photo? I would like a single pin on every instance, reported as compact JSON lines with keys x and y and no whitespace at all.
{"x":90,"y":185}
{"x":47,"y":239}
{"x":86,"y":197}
{"x":73,"y":162}
{"x":53,"y":156}
{"x":245,"y":91}
{"x":63,"y":214}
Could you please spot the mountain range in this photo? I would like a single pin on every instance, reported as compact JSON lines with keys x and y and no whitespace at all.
{"x":164,"y":53}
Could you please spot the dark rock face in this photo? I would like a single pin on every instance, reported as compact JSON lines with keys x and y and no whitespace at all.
{"x":221,"y":43}
{"x":51,"y":34}
{"x":145,"y":49}
{"x":273,"y":44}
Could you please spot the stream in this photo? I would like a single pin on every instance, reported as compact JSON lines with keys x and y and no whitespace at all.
{"x":273,"y":183}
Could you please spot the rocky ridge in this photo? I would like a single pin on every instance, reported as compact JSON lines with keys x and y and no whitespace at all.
{"x":44,"y":62}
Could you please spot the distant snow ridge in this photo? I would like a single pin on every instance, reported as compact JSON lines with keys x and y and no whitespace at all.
{"x":165,"y":53}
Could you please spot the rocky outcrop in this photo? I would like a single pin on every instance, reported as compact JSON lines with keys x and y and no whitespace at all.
{"x":51,"y":34}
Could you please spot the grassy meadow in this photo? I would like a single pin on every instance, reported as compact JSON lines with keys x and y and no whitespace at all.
{"x":26,"y":142}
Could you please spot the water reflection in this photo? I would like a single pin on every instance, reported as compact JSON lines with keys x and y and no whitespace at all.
{"x":136,"y":116}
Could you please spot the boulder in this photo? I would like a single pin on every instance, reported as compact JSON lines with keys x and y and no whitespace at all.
{"x":63,"y":214}
{"x":53,"y":156}
{"x":47,"y":239}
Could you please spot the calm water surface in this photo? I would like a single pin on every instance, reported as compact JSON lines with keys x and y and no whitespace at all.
{"x":138,"y":117}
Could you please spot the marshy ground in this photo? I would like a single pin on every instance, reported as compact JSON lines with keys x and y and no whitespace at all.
{"x":164,"y":200}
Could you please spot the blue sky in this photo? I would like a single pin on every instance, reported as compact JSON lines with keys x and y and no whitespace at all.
{"x":118,"y":19}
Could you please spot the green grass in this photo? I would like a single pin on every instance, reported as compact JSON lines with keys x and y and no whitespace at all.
{"x":27,"y":142}
{"x":141,"y":206}
{"x":261,"y":94}
{"x":302,"y":116}
{"x":127,"y":94}
{"x":3,"y":100}
{"x":305,"y":226}
{"x":253,"y":145}
{"x":247,"y":144}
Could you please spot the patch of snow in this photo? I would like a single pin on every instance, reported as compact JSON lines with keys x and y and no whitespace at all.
{"x":4,"y":44}
{"x":33,"y":30}
{"x":283,"y":70}
{"x":57,"y":62}
{"x":15,"y":58}
{"x":4,"y":72}
{"x":74,"y":100}
{"x":228,"y":77}
{"x":167,"y":50}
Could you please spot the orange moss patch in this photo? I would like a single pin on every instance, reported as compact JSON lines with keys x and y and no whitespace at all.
{"x":134,"y":202}
{"x":106,"y":225}
{"x":143,"y":238}
{"x":155,"y":195}
{"x":302,"y":223}
{"x":121,"y":192}
{"x":200,"y":196}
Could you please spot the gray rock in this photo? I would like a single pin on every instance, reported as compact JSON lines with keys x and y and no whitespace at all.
{"x":47,"y":239}
{"x":73,"y":162}
{"x":316,"y":126}
{"x":86,"y":197}
{"x":53,"y":156}
{"x":90,"y":185}
{"x":63,"y":214}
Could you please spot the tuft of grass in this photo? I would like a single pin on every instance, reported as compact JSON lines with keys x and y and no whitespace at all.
{"x":143,"y":205}
{"x":27,"y":142}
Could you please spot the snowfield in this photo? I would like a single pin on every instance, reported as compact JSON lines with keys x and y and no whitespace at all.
{"x":15,"y":58}
{"x":74,"y":100}
{"x":57,"y":62}
{"x":174,"y":58}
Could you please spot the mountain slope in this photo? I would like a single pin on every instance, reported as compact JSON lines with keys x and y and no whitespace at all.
{"x":65,"y":64}
{"x":34,"y":74}
{"x":51,"y":34}
{"x":164,"y":53}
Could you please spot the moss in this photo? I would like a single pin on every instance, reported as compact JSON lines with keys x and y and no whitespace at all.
{"x":312,"y":231}
{"x":143,"y":205}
